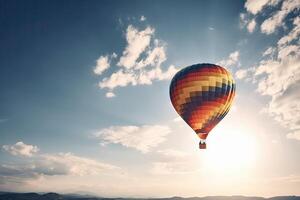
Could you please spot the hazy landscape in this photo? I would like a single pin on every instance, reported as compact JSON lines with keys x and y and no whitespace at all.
{"x":55,"y":196}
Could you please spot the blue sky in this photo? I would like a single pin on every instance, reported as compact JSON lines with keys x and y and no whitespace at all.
{"x":84,"y":103}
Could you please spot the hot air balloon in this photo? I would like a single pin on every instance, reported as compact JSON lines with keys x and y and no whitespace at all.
{"x":202,"y":95}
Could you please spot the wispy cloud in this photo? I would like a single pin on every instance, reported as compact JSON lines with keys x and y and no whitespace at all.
{"x":232,"y":60}
{"x":294,"y":135}
{"x":21,"y":149}
{"x":245,"y":74}
{"x":61,"y":164}
{"x":110,"y":94}
{"x":269,"y":51}
{"x":142,"y":138}
{"x":251,"y":26}
{"x":68,"y":163}
{"x":143,"y":18}
{"x":172,"y":161}
{"x":178,"y":119}
{"x":241,"y":73}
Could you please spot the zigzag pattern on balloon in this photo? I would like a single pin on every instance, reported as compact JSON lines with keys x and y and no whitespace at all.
{"x":202,"y":95}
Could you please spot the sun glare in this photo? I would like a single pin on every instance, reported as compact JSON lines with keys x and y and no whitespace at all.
{"x":229,"y":152}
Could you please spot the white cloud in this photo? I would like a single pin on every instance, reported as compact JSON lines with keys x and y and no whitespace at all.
{"x":140,"y":62}
{"x":110,"y":95}
{"x":256,"y":6}
{"x":270,"y":25}
{"x":245,"y":74}
{"x":155,"y":56}
{"x":241,"y":73}
{"x":278,"y":73}
{"x":244,"y":19}
{"x":142,"y":138}
{"x":118,"y":79}
{"x":177,"y":119}
{"x":137,"y":42}
{"x":285,"y":51}
{"x":233,"y":57}
{"x":143,"y":18}
{"x":102,"y":65}
{"x":251,"y":26}
{"x":293,"y":35}
{"x":232,"y":60}
{"x":294,"y":135}
{"x":70,"y":164}
{"x":114,"y":55}
{"x":269,"y":51}
{"x":21,"y":149}
{"x":61,"y":164}
{"x":158,"y":74}
{"x":284,"y":106}
{"x":123,"y":78}
{"x":276,"y":20}
{"x":280,"y":79}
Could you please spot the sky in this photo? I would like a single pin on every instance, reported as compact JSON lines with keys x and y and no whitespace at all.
{"x":85,"y":108}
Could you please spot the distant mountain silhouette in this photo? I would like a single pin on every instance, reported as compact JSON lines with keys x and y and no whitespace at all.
{"x":55,"y":196}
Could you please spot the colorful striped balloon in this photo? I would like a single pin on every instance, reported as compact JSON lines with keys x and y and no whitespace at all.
{"x":202,"y":95}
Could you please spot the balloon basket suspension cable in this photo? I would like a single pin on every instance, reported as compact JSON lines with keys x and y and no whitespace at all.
{"x":202,"y":144}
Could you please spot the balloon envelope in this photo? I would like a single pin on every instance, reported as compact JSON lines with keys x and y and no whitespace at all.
{"x":202,"y":95}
